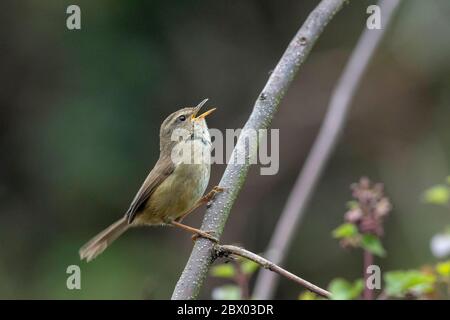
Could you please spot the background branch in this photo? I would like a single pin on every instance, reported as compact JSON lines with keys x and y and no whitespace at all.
{"x":225,"y":250}
{"x":191,"y":280}
{"x":322,"y":148}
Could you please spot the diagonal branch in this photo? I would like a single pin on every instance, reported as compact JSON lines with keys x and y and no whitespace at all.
{"x":225,"y":250}
{"x":322,"y":148}
{"x":266,"y":105}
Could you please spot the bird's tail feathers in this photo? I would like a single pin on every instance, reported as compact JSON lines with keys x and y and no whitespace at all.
{"x":100,"y":242}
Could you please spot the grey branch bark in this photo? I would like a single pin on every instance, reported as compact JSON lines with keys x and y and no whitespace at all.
{"x":266,"y":105}
{"x":322,"y":148}
{"x":225,"y":250}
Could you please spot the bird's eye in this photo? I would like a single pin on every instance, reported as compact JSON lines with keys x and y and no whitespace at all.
{"x":182,"y":117}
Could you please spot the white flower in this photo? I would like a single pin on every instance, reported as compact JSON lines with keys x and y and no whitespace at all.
{"x":440,"y":245}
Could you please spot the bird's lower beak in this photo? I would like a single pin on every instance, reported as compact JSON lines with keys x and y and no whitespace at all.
{"x":204,"y":114}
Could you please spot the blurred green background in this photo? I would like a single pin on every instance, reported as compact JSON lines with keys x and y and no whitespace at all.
{"x":80,"y":114}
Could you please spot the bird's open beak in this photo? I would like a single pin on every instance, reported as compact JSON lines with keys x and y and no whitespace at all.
{"x":204,"y":114}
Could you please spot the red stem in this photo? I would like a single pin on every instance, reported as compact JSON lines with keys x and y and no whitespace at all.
{"x":242,"y":281}
{"x":368,"y":260}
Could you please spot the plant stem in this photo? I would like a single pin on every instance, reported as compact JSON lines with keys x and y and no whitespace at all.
{"x":368,"y":293}
{"x":241,"y":280}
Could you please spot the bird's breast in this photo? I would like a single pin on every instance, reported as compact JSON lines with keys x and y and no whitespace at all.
{"x":179,"y":191}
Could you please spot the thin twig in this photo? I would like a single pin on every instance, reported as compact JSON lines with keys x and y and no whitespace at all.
{"x":322,"y":148}
{"x":225,"y":250}
{"x":191,"y":280}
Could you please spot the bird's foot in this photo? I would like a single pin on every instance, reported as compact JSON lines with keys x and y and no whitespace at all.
{"x":205,"y":234}
{"x":212,"y":194}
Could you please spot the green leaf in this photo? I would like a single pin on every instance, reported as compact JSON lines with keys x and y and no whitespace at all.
{"x":372,"y":244}
{"x":346,"y":230}
{"x":227,"y":292}
{"x":448,"y":179}
{"x":341,"y":289}
{"x":447,"y":230}
{"x":438,"y":194}
{"x":249,"y":267}
{"x":307,"y":295}
{"x":443,"y":268}
{"x":352,"y":204}
{"x":224,"y":270}
{"x":400,"y":283}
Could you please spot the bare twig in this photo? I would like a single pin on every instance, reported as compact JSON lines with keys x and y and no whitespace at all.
{"x":322,"y":148}
{"x":266,"y":105}
{"x":225,"y":250}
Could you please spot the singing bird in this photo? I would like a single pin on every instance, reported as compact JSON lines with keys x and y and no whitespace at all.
{"x":175,"y":185}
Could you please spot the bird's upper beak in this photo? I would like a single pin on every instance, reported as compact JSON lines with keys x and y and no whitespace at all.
{"x":204,"y":114}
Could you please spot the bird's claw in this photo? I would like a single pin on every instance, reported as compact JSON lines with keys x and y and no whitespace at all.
{"x":205,"y":234}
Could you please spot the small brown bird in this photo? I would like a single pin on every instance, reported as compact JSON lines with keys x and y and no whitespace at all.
{"x":174,"y":187}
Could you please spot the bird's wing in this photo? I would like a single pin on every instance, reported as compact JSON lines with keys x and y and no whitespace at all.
{"x":163,"y":168}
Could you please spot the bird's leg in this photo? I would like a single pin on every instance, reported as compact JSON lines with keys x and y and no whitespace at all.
{"x":197,"y":232}
{"x":204,"y":200}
